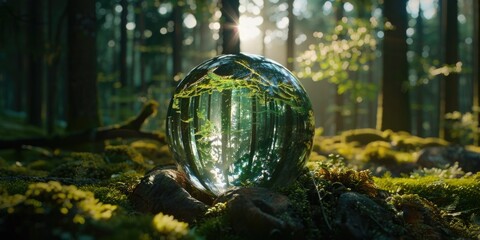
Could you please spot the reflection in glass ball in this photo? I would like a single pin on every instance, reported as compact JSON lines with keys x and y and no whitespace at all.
{"x":240,"y":120}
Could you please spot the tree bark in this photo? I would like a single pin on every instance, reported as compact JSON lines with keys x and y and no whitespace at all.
{"x":395,"y":98}
{"x":419,"y":89}
{"x":35,"y":78}
{"x":82,"y":112}
{"x":230,"y":34}
{"x":53,"y":60}
{"x":123,"y":43}
{"x":476,"y":62}
{"x":291,"y":37}
{"x":177,"y":41}
{"x":339,"y":98}
{"x":450,"y":102}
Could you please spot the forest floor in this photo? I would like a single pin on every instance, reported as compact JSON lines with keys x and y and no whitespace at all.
{"x":361,"y":184}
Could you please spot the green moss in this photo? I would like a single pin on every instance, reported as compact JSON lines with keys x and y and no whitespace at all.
{"x":298,"y":195}
{"x":45,"y":205}
{"x":153,"y":152}
{"x":82,"y":165}
{"x":425,"y":221}
{"x":53,"y":211}
{"x":383,"y":153}
{"x":216,"y":227}
{"x":20,"y":170}
{"x":123,"y":153}
{"x":11,"y":187}
{"x":362,"y":136}
{"x":456,"y":195}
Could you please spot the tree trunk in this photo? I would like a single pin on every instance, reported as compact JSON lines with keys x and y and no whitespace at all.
{"x":476,"y":62}
{"x":339,"y":98}
{"x":82,"y":112}
{"x":291,"y":37}
{"x":395,"y":99}
{"x":141,"y":18}
{"x":419,"y":89}
{"x":230,"y":34}
{"x":449,"y":12}
{"x":123,"y":43}
{"x":54,"y":52}
{"x":177,"y":41}
{"x":35,"y":78}
{"x":17,"y":74}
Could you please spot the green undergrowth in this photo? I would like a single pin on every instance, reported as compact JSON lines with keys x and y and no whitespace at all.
{"x":55,"y":211}
{"x":458,"y":196}
{"x":60,"y":194}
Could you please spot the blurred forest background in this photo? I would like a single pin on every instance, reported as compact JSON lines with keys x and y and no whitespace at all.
{"x":405,"y":65}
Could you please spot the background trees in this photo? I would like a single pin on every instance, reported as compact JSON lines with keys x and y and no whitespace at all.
{"x":98,"y":62}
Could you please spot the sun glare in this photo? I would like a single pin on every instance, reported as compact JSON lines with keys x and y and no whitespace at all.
{"x":248,"y":27}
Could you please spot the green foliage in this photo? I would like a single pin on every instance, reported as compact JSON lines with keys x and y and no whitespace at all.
{"x":443,"y":173}
{"x":352,"y":180}
{"x":462,"y":127}
{"x":350,"y":47}
{"x":428,"y":70}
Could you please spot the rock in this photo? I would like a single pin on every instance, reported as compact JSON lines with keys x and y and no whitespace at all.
{"x":439,"y":157}
{"x":422,"y":217}
{"x":165,"y":190}
{"x":260,"y":213}
{"x":359,"y":217}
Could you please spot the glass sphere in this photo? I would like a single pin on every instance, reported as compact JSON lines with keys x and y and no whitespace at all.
{"x":240,"y":120}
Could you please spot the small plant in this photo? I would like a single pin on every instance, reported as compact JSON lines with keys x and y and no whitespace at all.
{"x":170,"y":227}
{"x":449,"y":172}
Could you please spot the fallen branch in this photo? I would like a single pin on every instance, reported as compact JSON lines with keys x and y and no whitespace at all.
{"x":130,"y":129}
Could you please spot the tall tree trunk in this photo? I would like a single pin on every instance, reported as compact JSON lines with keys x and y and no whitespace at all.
{"x":230,"y":34}
{"x":177,"y":41}
{"x":290,"y":37}
{"x":17,"y":69}
{"x":82,"y":80}
{"x":476,"y":62}
{"x":54,"y":52}
{"x":449,"y":12}
{"x":141,"y":23}
{"x":35,"y":79}
{"x":419,"y":89}
{"x":339,"y":98}
{"x":395,"y":98}
{"x":123,"y":43}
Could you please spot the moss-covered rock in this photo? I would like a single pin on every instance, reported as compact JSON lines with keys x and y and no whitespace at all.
{"x":455,"y":195}
{"x":363,"y":136}
{"x":82,"y":165}
{"x":425,"y":221}
{"x":123,"y":153}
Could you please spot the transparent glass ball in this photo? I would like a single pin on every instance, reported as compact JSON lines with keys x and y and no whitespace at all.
{"x":240,"y":120}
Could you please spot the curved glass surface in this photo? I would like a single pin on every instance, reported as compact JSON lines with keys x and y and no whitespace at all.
{"x":239,"y":120}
